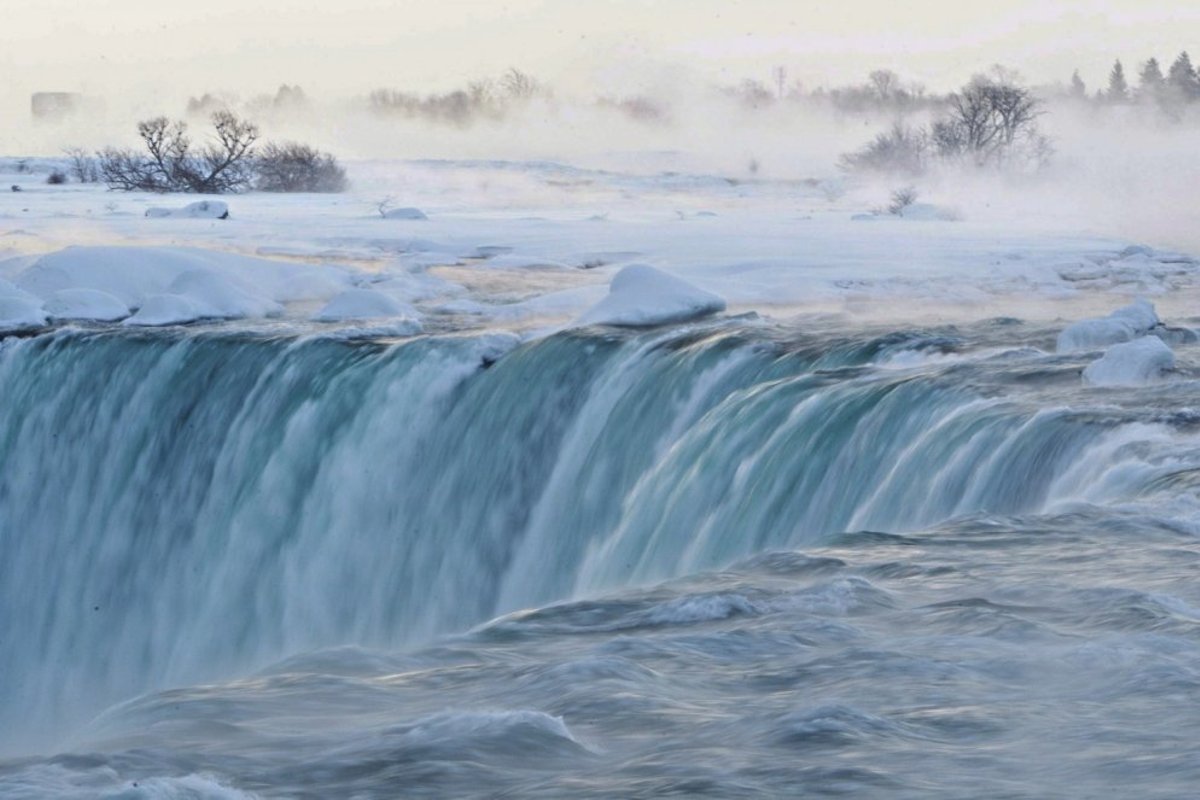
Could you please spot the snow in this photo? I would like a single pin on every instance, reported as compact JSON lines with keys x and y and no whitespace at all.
{"x":204,"y":209}
{"x":85,"y":304}
{"x":219,"y":297}
{"x":404,"y":213}
{"x":641,"y":295}
{"x":925,"y":212}
{"x":18,"y":312}
{"x":165,"y":309}
{"x":224,"y":285}
{"x":1122,"y":325}
{"x":1144,"y":360}
{"x":356,"y":304}
{"x":511,"y":246}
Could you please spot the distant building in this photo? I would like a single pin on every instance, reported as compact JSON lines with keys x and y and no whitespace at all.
{"x":54,"y":105}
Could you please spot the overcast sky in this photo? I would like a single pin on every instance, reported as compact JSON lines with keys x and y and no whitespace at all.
{"x":352,"y":46}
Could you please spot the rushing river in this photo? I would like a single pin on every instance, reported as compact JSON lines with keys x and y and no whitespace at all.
{"x":728,"y":560}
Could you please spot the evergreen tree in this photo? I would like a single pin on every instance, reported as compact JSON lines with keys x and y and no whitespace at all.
{"x":1078,"y":89}
{"x":1151,"y":78}
{"x":1118,"y":88}
{"x":1151,"y":83}
{"x":1182,"y":78}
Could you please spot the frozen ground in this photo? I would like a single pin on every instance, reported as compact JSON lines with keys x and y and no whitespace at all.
{"x":532,"y":246}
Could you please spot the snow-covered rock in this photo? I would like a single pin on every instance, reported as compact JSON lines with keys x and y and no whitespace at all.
{"x":1143,"y":360}
{"x":1122,"y":325}
{"x":86,"y":304}
{"x":20,"y":312}
{"x":204,"y":209}
{"x":218,"y":297}
{"x":404,"y":213}
{"x":355,"y":304}
{"x":642,"y":295}
{"x":165,"y":309}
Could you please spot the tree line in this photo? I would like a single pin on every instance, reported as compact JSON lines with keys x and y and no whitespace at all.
{"x":1177,"y":87}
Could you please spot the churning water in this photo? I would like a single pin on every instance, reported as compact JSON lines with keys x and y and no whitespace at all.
{"x":726,"y":560}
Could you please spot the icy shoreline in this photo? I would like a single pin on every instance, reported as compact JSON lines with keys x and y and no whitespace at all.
{"x":533,"y":253}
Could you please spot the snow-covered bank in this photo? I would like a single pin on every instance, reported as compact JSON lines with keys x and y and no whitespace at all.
{"x":535,"y":246}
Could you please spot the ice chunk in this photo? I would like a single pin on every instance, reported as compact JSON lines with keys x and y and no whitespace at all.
{"x":642,"y":295}
{"x":1140,"y":314}
{"x":205,"y":209}
{"x":1122,"y":325}
{"x":165,"y":309}
{"x":404,"y":213}
{"x":86,"y":304}
{"x":363,"y":304}
{"x":1141,"y":361}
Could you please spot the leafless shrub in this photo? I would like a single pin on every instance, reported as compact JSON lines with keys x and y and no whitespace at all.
{"x":294,"y":167}
{"x":899,"y":150}
{"x":902,"y":199}
{"x":82,"y":165}
{"x":56,"y":177}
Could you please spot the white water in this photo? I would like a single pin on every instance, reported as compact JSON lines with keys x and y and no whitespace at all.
{"x":187,"y":508}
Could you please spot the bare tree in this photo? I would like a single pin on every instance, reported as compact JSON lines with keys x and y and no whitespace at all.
{"x":986,"y":118}
{"x":780,"y":75}
{"x":519,"y":85}
{"x":885,"y":82}
{"x":992,"y":121}
{"x":171,"y":164}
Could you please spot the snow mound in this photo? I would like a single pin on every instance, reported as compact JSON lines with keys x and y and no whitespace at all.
{"x":1143,"y":360}
{"x":20,"y":312}
{"x":928,"y":211}
{"x":915,"y":211}
{"x":86,"y":304}
{"x":218,"y":297}
{"x":355,"y":304}
{"x":165,"y":309}
{"x":1122,"y":325}
{"x":642,"y":295}
{"x":133,"y":274}
{"x":205,"y":209}
{"x":404,"y":213}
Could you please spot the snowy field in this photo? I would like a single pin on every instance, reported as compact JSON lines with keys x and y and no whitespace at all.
{"x":533,"y":246}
